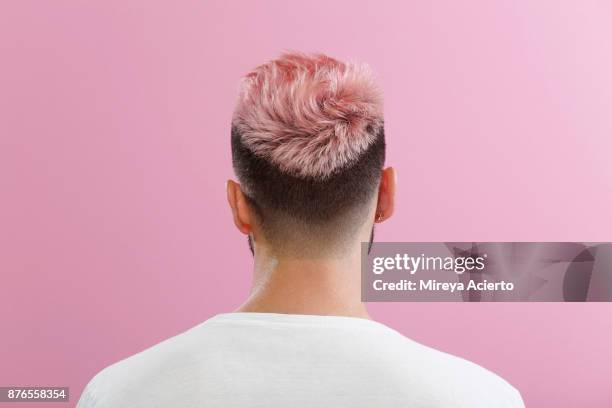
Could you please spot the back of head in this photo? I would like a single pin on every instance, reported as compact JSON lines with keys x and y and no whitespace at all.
{"x":308,"y":148}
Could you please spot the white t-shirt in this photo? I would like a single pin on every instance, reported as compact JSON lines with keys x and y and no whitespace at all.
{"x":278,"y":360}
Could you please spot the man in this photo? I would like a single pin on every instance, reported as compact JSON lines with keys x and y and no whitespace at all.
{"x":308,"y":149}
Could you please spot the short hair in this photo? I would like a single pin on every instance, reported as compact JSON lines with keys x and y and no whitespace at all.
{"x":308,"y":142}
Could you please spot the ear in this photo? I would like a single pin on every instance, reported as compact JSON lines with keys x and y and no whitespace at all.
{"x":240,"y":208}
{"x":386,"y":195}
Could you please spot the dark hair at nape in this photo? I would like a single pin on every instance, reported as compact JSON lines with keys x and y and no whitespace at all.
{"x":278,"y":197}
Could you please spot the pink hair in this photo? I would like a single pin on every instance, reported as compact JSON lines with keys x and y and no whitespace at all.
{"x":308,"y":114}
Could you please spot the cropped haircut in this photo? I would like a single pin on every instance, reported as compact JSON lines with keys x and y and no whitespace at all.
{"x":308,"y":144}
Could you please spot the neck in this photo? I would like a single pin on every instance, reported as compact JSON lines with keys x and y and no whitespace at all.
{"x":314,"y":286}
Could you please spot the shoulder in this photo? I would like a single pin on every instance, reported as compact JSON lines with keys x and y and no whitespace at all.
{"x":140,"y":374}
{"x":451,"y":380}
{"x":475,"y":385}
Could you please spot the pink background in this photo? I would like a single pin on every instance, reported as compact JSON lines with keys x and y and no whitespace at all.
{"x":114,"y":126}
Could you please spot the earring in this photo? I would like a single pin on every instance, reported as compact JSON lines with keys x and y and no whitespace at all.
{"x":378,"y":217}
